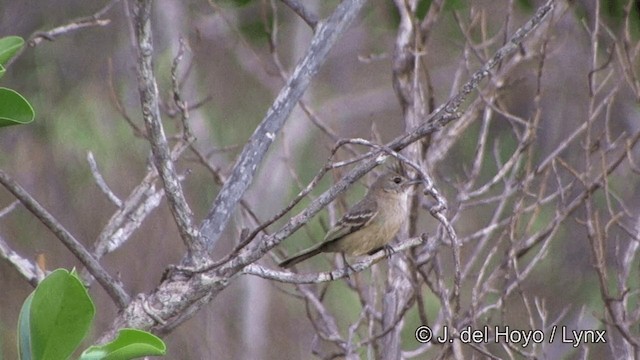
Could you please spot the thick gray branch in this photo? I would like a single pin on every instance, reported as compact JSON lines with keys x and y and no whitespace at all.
{"x":327,"y":34}
{"x":148,"y":89}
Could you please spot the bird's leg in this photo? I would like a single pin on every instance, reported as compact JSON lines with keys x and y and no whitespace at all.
{"x":346,"y":264}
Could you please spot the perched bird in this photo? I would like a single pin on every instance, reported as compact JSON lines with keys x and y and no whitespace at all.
{"x":370,"y":224}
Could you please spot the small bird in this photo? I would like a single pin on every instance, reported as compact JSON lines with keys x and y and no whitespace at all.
{"x":370,"y":224}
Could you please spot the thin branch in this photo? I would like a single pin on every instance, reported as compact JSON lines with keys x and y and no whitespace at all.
{"x":111,"y":285}
{"x":314,"y":278}
{"x":27,"y":268}
{"x":142,"y":200}
{"x":308,"y":17}
{"x":180,"y":103}
{"x":9,"y":208}
{"x":77,"y":24}
{"x":100,"y":181}
{"x":117,"y":103}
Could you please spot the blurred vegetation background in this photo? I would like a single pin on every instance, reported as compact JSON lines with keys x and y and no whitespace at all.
{"x":73,"y":83}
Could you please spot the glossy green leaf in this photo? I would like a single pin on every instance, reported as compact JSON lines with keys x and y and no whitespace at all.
{"x":14,"y":108}
{"x":129,"y":344}
{"x":60,"y":316}
{"x":9,"y":46}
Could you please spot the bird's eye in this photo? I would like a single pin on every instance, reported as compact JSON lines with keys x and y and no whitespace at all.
{"x":397,"y":179}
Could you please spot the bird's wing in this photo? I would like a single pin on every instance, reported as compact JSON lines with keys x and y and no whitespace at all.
{"x":357,"y":217}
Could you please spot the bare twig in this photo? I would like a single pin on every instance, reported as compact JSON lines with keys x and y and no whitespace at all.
{"x":100,"y":181}
{"x":180,"y":103}
{"x":9,"y":208}
{"x":365,"y":263}
{"x":308,"y":17}
{"x":111,"y":286}
{"x":27,"y":268}
{"x":142,"y":200}
{"x":77,"y":24}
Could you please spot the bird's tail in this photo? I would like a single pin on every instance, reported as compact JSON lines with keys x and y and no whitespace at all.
{"x":301,"y":256}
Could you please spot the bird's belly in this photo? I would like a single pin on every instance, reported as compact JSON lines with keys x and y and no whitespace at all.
{"x":367,"y":239}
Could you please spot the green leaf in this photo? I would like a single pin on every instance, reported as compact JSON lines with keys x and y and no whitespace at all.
{"x":2,"y":71}
{"x":14,"y":109}
{"x":60,"y":316}
{"x":24,"y":338}
{"x":129,"y":344}
{"x":9,"y":46}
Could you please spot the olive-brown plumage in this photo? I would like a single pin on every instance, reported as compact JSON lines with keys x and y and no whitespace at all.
{"x":369,"y":225}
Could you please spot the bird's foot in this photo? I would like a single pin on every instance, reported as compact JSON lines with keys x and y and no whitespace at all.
{"x":388,"y":250}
